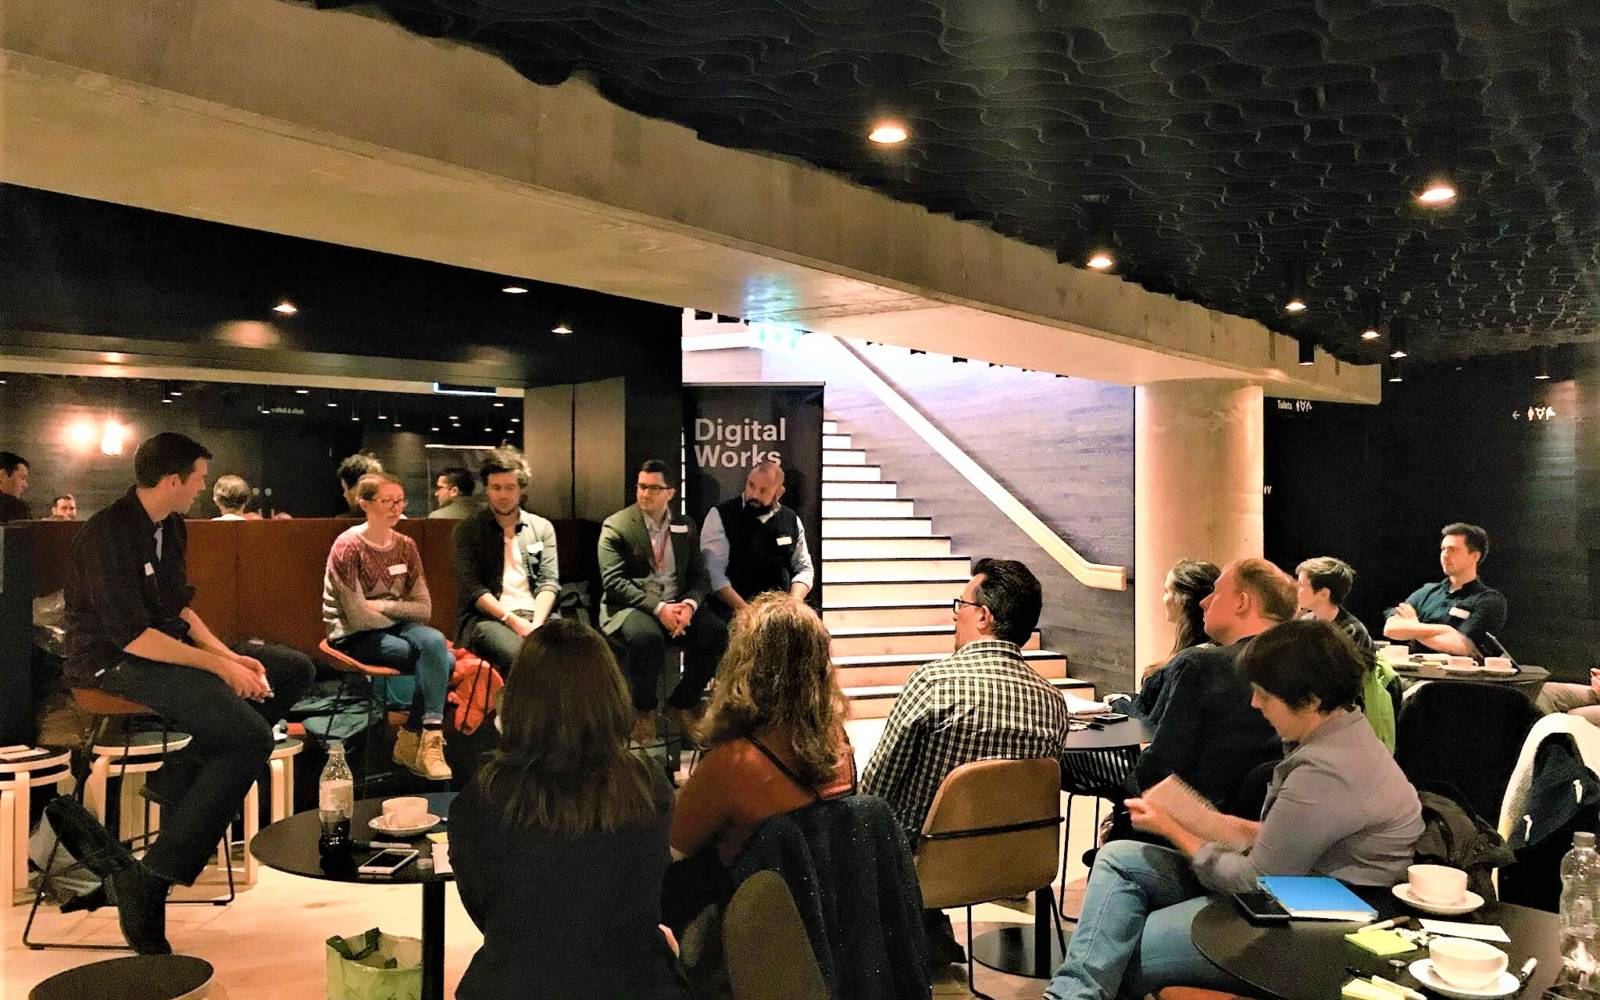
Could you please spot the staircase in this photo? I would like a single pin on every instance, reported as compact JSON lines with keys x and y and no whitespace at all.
{"x":887,"y":584}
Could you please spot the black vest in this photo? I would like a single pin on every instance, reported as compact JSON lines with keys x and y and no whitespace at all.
{"x":758,"y":554}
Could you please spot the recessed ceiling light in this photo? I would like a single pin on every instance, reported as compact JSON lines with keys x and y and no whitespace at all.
{"x":333,"y":403}
{"x":516,"y":420}
{"x":514,"y":290}
{"x":285,"y":308}
{"x":488,"y":430}
{"x":1295,"y":305}
{"x":166,"y":399}
{"x":498,"y":403}
{"x":1100,"y":260}
{"x":174,"y":392}
{"x":1308,"y":353}
{"x":1396,"y":377}
{"x":302,"y":392}
{"x":1370,"y":333}
{"x":1437,"y":193}
{"x":561,"y":328}
{"x":436,"y":430}
{"x":887,"y":133}
{"x":1397,"y":354}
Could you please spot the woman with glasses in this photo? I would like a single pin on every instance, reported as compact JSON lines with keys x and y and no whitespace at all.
{"x":375,"y":605}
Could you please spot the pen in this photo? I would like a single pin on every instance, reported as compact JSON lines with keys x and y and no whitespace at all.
{"x":1526,"y":973}
{"x":1384,"y":925}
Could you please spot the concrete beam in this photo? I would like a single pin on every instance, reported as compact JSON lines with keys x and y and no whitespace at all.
{"x":339,"y":126}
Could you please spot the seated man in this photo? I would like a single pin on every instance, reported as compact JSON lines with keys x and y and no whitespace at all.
{"x":64,"y":508}
{"x":1582,"y":700}
{"x":350,"y":472}
{"x":1208,"y":735}
{"x":753,"y":544}
{"x":452,"y":490}
{"x":654,"y":580}
{"x":1459,"y":614}
{"x":132,"y":633}
{"x":13,"y":483}
{"x":506,"y":566}
{"x":230,"y":495}
{"x":1321,"y":587}
{"x":983,"y":701}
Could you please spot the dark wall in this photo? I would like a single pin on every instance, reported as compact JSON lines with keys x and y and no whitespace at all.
{"x":1485,"y":444}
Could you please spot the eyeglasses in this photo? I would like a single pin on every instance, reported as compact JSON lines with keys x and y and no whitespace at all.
{"x":955,"y":605}
{"x":393,"y":502}
{"x":651,"y":488}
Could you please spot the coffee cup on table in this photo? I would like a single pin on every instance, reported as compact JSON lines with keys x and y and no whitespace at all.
{"x":1468,"y":964}
{"x":1497,"y":662}
{"x":1461,"y":663}
{"x":404,"y":812}
{"x":1439,"y":885}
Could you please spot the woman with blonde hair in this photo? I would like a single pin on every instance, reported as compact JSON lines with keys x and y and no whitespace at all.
{"x":559,"y":843}
{"x":775,"y":729}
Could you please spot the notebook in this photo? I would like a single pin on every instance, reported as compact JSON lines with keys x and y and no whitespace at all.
{"x":1316,"y":897}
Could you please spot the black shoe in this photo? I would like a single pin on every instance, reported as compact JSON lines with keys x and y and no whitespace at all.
{"x":90,"y":901}
{"x":142,"y":909}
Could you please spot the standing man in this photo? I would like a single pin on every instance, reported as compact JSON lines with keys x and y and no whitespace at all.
{"x":452,"y":490}
{"x":654,"y":579}
{"x":13,"y":483}
{"x":1458,"y":614}
{"x":64,"y":508}
{"x":506,"y":565}
{"x":132,"y":633}
{"x":350,"y":472}
{"x":1321,"y":586}
{"x":753,"y":544}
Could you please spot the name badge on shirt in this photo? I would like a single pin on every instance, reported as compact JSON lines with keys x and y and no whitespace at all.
{"x":398,"y":569}
{"x":785,"y":540}
{"x":1460,"y":613}
{"x":535,"y":548}
{"x":149,"y":570}
{"x":679,"y":529}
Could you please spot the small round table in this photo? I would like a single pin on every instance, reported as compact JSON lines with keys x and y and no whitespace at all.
{"x":290,"y":845}
{"x":1013,"y":950}
{"x":137,"y":977}
{"x":1527,"y":679}
{"x":1306,"y":959}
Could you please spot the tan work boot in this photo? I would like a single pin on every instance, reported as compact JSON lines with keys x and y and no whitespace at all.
{"x":429,"y":762}
{"x":405,"y":748}
{"x":644,"y":728}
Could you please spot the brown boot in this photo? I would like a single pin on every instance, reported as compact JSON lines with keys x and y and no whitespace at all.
{"x":405,"y":747}
{"x":644,"y":728}
{"x":430,"y":757}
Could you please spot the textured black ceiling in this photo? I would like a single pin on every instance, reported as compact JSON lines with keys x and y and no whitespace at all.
{"x":1232,"y":141}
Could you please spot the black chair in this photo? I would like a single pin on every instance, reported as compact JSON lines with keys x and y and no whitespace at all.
{"x":1465,"y":735}
{"x":1101,"y":775}
{"x":1252,"y":793}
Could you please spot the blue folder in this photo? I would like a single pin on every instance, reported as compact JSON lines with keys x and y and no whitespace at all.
{"x":1316,"y":897}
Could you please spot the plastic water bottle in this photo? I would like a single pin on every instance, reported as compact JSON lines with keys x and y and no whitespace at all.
{"x":336,"y":802}
{"x":1580,"y":910}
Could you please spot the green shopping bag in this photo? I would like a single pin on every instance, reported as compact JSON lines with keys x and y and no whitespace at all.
{"x":374,"y":966}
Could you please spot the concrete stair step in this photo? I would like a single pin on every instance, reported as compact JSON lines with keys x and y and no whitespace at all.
{"x":867,"y":508}
{"x":851,"y":474}
{"x":843,"y":457}
{"x":875,"y":701}
{"x":916,"y":640}
{"x":860,"y":491}
{"x":876,"y":527}
{"x":910,"y":614}
{"x":836,"y":442}
{"x":830,"y":427}
{"x":836,"y":571}
{"x":885,"y":548}
{"x":841,"y":595}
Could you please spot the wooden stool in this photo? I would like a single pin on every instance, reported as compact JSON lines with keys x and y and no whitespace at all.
{"x":280,"y":801}
{"x":18,"y":777}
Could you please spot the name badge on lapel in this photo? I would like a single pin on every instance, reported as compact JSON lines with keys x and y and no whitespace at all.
{"x":1460,"y":613}
{"x":535,"y":548}
{"x":398,"y":569}
{"x":149,"y":570}
{"x":679,"y":529}
{"x":785,"y":540}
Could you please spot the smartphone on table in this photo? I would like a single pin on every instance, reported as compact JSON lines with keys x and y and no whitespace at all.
{"x":1260,"y":907}
{"x":388,"y":861}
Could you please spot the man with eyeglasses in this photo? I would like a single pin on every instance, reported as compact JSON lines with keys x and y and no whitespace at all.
{"x":655,"y":583}
{"x":981,"y":703}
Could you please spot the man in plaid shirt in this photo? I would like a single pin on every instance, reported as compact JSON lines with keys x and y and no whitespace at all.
{"x":982,"y":702}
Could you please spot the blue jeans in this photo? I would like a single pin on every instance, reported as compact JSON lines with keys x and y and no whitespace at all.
{"x":1134,"y":937}
{"x":409,"y":647}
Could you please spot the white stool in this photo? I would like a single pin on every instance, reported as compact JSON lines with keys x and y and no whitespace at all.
{"x":18,"y":778}
{"x":280,"y":801}
{"x":134,"y":756}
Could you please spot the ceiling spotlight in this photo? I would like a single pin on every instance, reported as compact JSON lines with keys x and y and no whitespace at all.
{"x":1295,"y":305}
{"x":516,"y":420}
{"x":166,"y":399}
{"x":1308,"y":353}
{"x":1437,"y":193}
{"x":1541,"y":356}
{"x":435,"y":430}
{"x":1394,"y":373}
{"x":1370,"y":333}
{"x":561,"y":328}
{"x":498,"y":403}
{"x":488,"y":430}
{"x":1101,"y":260}
{"x":285,"y":308}
{"x":514,"y":290}
{"x":888,"y":133}
{"x":302,"y":392}
{"x":333,"y":403}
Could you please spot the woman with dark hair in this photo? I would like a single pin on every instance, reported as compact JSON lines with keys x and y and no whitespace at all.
{"x":560,"y":841}
{"x":1338,"y":805}
{"x":1187,"y":584}
{"x":777,"y":743}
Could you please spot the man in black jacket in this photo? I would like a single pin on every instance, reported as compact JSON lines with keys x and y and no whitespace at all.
{"x":506,"y":566}
{"x":754,"y":544}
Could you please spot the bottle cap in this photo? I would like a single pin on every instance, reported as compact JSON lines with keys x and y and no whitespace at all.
{"x":1583,"y":838}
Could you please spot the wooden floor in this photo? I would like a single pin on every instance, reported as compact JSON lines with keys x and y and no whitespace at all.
{"x":268,"y":945}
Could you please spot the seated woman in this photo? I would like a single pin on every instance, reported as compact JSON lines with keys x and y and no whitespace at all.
{"x":560,"y":841}
{"x":374,"y":605}
{"x":777,"y":743}
{"x":1187,"y":584}
{"x":1338,"y":805}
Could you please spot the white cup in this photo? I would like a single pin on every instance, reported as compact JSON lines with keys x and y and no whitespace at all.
{"x":1466,"y":963}
{"x":1460,"y":663}
{"x":1437,"y":884}
{"x":1497,"y":662}
{"x":404,"y":811}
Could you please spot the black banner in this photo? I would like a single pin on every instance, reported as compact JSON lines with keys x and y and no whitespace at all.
{"x":729,"y":428}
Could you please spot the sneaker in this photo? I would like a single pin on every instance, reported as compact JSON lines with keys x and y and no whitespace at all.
{"x":405,"y":748}
{"x":429,"y":762}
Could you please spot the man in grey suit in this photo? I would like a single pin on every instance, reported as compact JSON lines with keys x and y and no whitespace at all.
{"x":655,"y":584}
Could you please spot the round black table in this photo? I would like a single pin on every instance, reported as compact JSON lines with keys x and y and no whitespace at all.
{"x":290,"y":845}
{"x":1527,"y":679}
{"x":1306,"y":959}
{"x":137,"y":977}
{"x":1014,"y":950}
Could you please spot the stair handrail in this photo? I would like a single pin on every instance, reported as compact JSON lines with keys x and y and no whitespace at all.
{"x":1100,"y":576}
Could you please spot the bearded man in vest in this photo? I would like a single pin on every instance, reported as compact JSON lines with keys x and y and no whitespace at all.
{"x":753,"y":544}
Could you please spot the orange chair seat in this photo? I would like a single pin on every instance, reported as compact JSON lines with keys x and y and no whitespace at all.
{"x":351,"y":665}
{"x":97,"y":702}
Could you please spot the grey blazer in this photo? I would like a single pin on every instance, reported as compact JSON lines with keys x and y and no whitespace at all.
{"x":625,"y":565}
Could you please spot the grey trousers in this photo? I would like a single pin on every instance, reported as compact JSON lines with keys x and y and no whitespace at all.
{"x":1576,"y":699}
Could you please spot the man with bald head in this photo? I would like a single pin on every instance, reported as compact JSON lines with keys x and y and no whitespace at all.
{"x":754,"y":544}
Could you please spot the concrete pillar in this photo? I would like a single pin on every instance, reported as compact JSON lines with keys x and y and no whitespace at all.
{"x":1197,"y":489}
{"x":547,"y":444}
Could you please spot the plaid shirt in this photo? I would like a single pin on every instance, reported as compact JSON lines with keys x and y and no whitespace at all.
{"x":982,"y":703}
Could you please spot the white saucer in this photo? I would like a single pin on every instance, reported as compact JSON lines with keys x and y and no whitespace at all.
{"x":430,"y":821}
{"x":1466,"y":904}
{"x":1422,"y":969}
